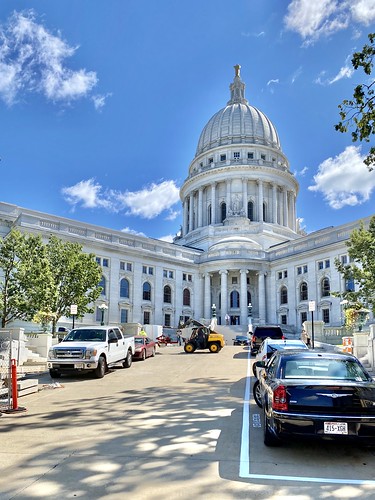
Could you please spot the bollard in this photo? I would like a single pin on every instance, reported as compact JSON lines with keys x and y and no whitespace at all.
{"x":15,"y":408}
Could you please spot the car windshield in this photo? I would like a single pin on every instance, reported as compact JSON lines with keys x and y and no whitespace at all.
{"x":328,"y":369}
{"x":139,"y":341}
{"x":286,"y":345}
{"x":86,"y":335}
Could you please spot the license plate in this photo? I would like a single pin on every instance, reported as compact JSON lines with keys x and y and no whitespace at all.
{"x":335,"y":428}
{"x":78,"y":365}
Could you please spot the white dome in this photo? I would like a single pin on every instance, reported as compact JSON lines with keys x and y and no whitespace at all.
{"x":238,"y":123}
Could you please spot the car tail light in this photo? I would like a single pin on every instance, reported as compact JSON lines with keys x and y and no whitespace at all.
{"x":283,"y":337}
{"x":280,"y":401}
{"x":253,"y":338}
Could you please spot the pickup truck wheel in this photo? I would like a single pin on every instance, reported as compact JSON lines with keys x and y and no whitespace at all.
{"x":100,"y":370}
{"x":128,"y":360}
{"x":55,"y":374}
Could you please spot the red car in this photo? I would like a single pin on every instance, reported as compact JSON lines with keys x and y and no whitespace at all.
{"x":144,"y":347}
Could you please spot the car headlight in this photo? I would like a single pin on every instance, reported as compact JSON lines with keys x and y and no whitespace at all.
{"x":90,"y":353}
{"x":51,"y":353}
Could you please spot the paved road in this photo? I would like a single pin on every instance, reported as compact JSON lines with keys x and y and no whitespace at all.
{"x":176,"y":426}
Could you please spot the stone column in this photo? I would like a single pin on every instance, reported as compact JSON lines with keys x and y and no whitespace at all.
{"x":244,"y":195}
{"x":207,"y":296}
{"x":285,"y":207}
{"x":213,"y":203}
{"x":243,"y":295}
{"x":274,"y":203}
{"x":262,"y":297}
{"x":199,"y":297}
{"x":224,"y":295}
{"x":191,"y":212}
{"x":185,"y":228}
{"x":228,"y":184}
{"x":260,"y":200}
{"x":200,"y":207}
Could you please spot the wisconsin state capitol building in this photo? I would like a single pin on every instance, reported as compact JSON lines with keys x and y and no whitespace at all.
{"x":239,"y":251}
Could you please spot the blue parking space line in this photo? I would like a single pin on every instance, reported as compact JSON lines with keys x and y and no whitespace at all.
{"x":244,"y":470}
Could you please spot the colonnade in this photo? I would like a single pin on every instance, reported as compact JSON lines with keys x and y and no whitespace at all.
{"x":280,"y":205}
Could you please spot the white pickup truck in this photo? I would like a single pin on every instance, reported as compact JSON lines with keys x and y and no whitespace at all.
{"x":94,"y":348}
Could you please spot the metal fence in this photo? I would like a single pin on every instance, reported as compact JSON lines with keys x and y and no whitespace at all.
{"x":5,"y":372}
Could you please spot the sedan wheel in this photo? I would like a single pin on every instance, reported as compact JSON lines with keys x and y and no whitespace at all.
{"x":257,"y":393}
{"x":254,"y":370}
{"x":143,"y":354}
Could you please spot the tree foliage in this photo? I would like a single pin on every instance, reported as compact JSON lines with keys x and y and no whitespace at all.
{"x":76,"y":276}
{"x":361,"y":250}
{"x":25,"y":281}
{"x":359,"y":112}
{"x":42,"y":277}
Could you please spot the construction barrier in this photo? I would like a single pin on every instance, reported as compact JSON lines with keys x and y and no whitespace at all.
{"x":347,"y":344}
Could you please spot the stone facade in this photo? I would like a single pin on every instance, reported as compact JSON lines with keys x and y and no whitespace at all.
{"x":239,"y":243}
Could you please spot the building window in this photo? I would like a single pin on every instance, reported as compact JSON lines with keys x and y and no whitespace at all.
{"x":146,"y":291}
{"x":303,"y":291}
{"x":187,"y":277}
{"x":284,"y":319}
{"x":146,"y":317}
{"x":124,"y":288}
{"x":320,"y":265}
{"x":168,"y":274}
{"x":262,"y":157}
{"x":284,"y":295}
{"x":124,"y":316}
{"x":325,"y":287}
{"x":167,"y":294}
{"x":264,"y":212}
{"x":98,"y":260}
{"x":236,"y":155}
{"x":223,"y":157}
{"x":147,"y":270}
{"x":103,"y":284}
{"x":126,"y":266}
{"x":250,"y":156}
{"x":280,"y":275}
{"x":209,"y":215}
{"x":210,"y":160}
{"x":223,"y":209}
{"x":325,"y":315}
{"x":305,"y":269}
{"x":105,"y":263}
{"x":303,"y":317}
{"x":327,"y":263}
{"x":302,"y":269}
{"x":235,"y":299}
{"x":167,"y":320}
{"x":234,"y":280}
{"x":98,"y":314}
{"x":186,"y":297}
{"x":344,"y":259}
{"x":250,"y":210}
{"x":285,"y":274}
{"x":349,"y":285}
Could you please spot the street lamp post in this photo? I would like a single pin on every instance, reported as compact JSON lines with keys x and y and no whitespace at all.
{"x":103,"y":307}
{"x":249,"y":317}
{"x":213,"y":308}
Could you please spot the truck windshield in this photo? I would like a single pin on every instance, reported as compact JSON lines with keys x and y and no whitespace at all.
{"x":87,"y":335}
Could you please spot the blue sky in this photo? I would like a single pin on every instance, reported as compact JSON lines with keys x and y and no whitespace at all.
{"x":103,"y":102}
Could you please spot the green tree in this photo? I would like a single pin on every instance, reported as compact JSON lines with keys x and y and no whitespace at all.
{"x":25,"y":282}
{"x":76,"y":277}
{"x":359,"y":112}
{"x":361,"y":269}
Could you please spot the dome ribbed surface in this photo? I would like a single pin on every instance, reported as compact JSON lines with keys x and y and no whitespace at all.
{"x":238,"y":123}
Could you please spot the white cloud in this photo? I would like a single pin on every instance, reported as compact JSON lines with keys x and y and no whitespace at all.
{"x":147,"y":203}
{"x":313,"y":19}
{"x":345,"y":72}
{"x":99,"y":100}
{"x":302,"y":172}
{"x":32,"y":60}
{"x":270,"y":82}
{"x":169,"y":238}
{"x":344,"y":180}
{"x":132,"y":231}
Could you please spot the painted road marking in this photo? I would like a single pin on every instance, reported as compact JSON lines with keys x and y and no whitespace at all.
{"x":245,"y":449}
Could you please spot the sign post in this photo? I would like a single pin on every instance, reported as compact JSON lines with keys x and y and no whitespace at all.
{"x":312,"y":309}
{"x":73,"y":311}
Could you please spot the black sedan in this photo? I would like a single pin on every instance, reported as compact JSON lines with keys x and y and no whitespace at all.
{"x":316,"y":394}
{"x":241,"y":340}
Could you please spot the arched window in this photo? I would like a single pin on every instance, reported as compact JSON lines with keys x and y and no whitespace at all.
{"x":283,"y":295}
{"x":103,"y":284}
{"x":303,"y":291}
{"x":264,"y":212}
{"x":223,"y":210}
{"x":146,"y":291}
{"x":209,"y":215}
{"x":250,"y":210}
{"x":186,"y":297}
{"x":325,"y":287}
{"x":235,"y":299}
{"x":167,"y":294}
{"x":124,"y":288}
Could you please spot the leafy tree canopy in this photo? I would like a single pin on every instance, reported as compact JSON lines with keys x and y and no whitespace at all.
{"x":359,"y":112}
{"x":361,"y":269}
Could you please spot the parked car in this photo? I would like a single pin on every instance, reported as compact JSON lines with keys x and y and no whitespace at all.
{"x":310,"y":394}
{"x":262,"y":332}
{"x":144,"y":347}
{"x":269,"y":346}
{"x":241,"y":340}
